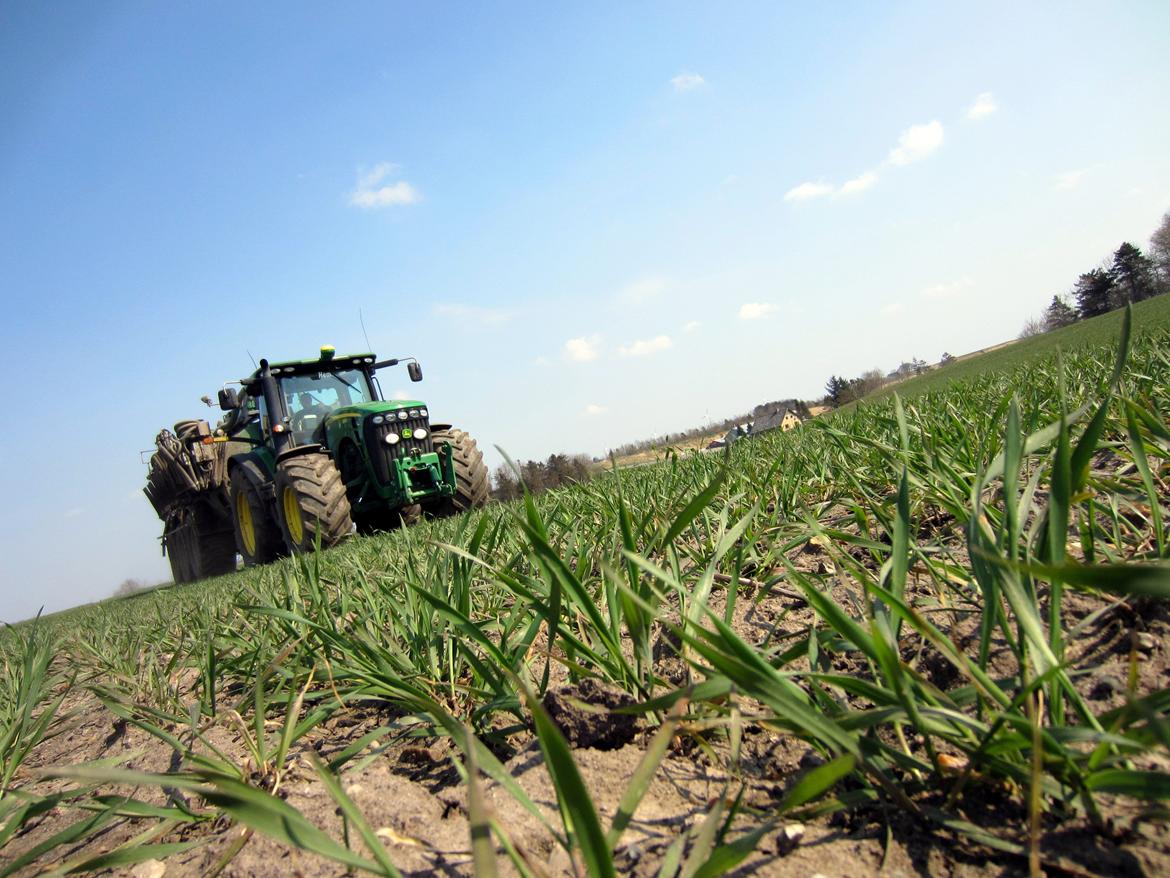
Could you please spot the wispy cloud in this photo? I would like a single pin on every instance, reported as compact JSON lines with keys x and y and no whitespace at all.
{"x":916,"y":143}
{"x":74,"y":512}
{"x":1070,"y":179}
{"x":645,"y":347}
{"x":893,"y":308}
{"x":757,"y":310}
{"x":983,"y":107}
{"x":581,"y":350}
{"x":859,"y":183}
{"x":641,"y":291}
{"x":948,"y":290}
{"x":374,"y":190}
{"x":691,"y":326}
{"x":473,"y":314}
{"x":595,"y":409}
{"x":805,"y":191}
{"x":687,"y":81}
{"x":540,"y":361}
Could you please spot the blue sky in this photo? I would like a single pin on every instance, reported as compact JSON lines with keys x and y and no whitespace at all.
{"x":592,"y":223}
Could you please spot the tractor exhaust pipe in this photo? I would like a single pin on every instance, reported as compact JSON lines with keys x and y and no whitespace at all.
{"x":275,"y":406}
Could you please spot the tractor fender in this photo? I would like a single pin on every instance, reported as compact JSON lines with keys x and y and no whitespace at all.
{"x":299,"y":450}
{"x":440,"y":427}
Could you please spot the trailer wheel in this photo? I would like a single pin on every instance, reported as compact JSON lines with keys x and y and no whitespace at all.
{"x":471,"y":473}
{"x":198,"y":547}
{"x":311,"y":500}
{"x":178,"y":545}
{"x":257,"y":536}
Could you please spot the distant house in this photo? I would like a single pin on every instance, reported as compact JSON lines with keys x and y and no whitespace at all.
{"x":784,"y":415}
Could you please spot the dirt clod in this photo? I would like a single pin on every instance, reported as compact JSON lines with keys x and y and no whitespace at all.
{"x":584,"y":714}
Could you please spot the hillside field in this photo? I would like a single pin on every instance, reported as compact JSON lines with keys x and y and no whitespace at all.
{"x":923,"y":635}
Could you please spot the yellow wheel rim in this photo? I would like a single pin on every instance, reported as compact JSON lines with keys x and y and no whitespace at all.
{"x":292,"y":515}
{"x":244,"y":521}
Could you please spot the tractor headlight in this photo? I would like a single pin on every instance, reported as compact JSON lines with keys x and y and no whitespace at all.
{"x":392,"y":439}
{"x":423,"y":413}
{"x":378,"y":419}
{"x":420,"y":433}
{"x":402,"y":415}
{"x":414,"y":413}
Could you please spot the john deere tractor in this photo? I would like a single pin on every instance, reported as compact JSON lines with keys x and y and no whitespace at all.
{"x":307,"y":450}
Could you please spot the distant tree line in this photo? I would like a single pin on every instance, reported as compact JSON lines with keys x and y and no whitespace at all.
{"x":1130,"y":276}
{"x":667,"y":439}
{"x":540,"y":476}
{"x":839,"y":391}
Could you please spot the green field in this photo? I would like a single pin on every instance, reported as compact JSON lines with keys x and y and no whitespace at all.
{"x":936,"y":619}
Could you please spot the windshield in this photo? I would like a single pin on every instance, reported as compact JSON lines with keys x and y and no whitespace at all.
{"x":324,"y":391}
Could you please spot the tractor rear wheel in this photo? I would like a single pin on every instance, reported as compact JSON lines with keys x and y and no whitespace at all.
{"x":311,"y":500}
{"x":257,"y":536}
{"x":471,"y":473}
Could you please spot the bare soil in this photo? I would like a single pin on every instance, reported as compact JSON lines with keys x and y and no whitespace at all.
{"x":409,"y":790}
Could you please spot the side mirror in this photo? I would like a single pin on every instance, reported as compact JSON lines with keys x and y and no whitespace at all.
{"x":229,"y":399}
{"x":414,"y":370}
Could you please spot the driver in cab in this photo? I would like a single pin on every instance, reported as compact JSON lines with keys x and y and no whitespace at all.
{"x":309,"y":417}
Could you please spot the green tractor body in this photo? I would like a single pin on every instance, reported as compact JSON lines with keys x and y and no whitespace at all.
{"x":307,"y":450}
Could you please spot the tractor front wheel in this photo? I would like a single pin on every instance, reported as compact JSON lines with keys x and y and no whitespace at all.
{"x":311,"y":500}
{"x":471,"y":473}
{"x":257,"y":535}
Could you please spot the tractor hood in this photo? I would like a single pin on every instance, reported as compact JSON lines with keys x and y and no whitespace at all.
{"x":373,"y":408}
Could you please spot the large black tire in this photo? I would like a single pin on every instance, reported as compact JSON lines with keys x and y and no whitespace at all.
{"x":199,"y":546}
{"x":386,"y":520}
{"x":176,"y":538}
{"x":257,"y":535}
{"x":472,"y":484}
{"x":311,"y":502}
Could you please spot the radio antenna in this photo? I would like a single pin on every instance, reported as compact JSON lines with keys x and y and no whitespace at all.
{"x":250,"y":357}
{"x":362,"y":321}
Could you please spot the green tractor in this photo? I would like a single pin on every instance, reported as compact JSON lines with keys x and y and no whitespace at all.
{"x":307,"y":451}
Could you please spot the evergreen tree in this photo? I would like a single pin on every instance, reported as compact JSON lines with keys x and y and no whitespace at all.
{"x":1133,"y":275}
{"x":1059,"y":313}
{"x":835,"y":387}
{"x":1094,"y":293}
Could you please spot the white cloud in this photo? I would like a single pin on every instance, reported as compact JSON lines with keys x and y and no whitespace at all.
{"x":473,"y":314}
{"x":642,"y":291}
{"x":756,"y":310}
{"x":859,"y":184}
{"x":400,"y":394}
{"x":595,"y":409}
{"x":917,"y":142}
{"x":370,"y":191}
{"x":1069,"y":179}
{"x":983,"y":107}
{"x":74,"y":512}
{"x":894,"y":308}
{"x":583,"y":349}
{"x":948,"y":290}
{"x":645,"y":347}
{"x":691,"y":326}
{"x":687,"y":81}
{"x":805,"y":191}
